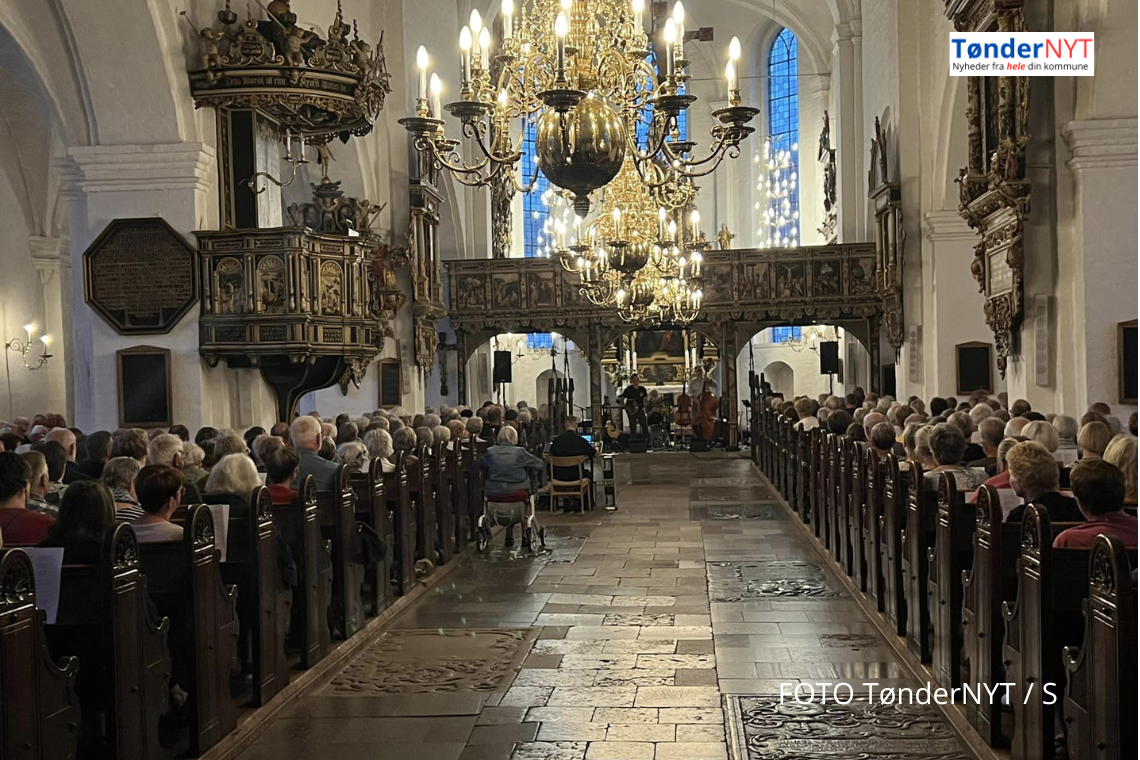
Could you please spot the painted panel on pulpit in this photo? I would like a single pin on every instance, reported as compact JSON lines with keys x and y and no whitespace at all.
{"x":861,"y":275}
{"x":506,"y":291}
{"x":540,"y":289}
{"x":662,"y":373}
{"x":470,"y":291}
{"x":826,"y":278}
{"x":572,"y":292}
{"x":718,"y":283}
{"x":755,"y":281}
{"x":791,"y":279}
{"x":659,"y":345}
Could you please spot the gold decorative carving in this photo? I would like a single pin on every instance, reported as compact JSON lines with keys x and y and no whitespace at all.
{"x":890,"y":236}
{"x":826,"y":156}
{"x":271,"y":285}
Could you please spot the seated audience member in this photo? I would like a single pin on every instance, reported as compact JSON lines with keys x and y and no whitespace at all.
{"x":922,"y":451}
{"x":98,"y":452}
{"x":937,"y":406}
{"x":68,"y":441}
{"x":232,"y":481}
{"x":347,"y":433}
{"x":181,"y":431}
{"x":508,"y":465}
{"x":883,"y":439}
{"x":838,"y":422}
{"x":86,"y":513}
{"x":205,"y":434}
{"x":424,"y":437}
{"x":1043,"y":433}
{"x":57,"y":467}
{"x":1033,"y":475}
{"x":965,"y":424}
{"x":1099,"y":488}
{"x":229,"y":444}
{"x":458,"y":428}
{"x":870,"y":419}
{"x":1093,"y":439}
{"x":119,"y":476}
{"x":806,"y":410}
{"x":441,"y":434}
{"x":991,"y":431}
{"x":855,"y":433}
{"x":306,"y":434}
{"x":946,"y":446}
{"x":569,"y":443}
{"x":38,"y":483}
{"x":1015,"y":426}
{"x":127,"y":443}
{"x":280,"y":473}
{"x":1132,"y":424}
{"x":353,"y":455}
{"x":167,"y":450}
{"x":328,"y":449}
{"x":1001,"y":479}
{"x":1121,"y":452}
{"x":1067,"y":450}
{"x":18,"y":525}
{"x":1020,"y":408}
{"x":192,"y":458}
{"x":910,"y":443}
{"x":379,"y":443}
{"x":404,"y":440}
{"x":280,"y":430}
{"x":159,"y":489}
{"x":261,"y":447}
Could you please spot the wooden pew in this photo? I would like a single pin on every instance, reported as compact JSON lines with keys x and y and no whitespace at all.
{"x":473,"y":472}
{"x":184,"y":582}
{"x":39,"y":717}
{"x":263,"y":599}
{"x":783,"y":464}
{"x":104,"y":621}
{"x":299,"y":524}
{"x":1100,"y":695}
{"x":372,"y":510}
{"x":1039,"y":623}
{"x":817,"y":474}
{"x":990,"y":581}
{"x":403,"y":550}
{"x":896,"y":486}
{"x":841,"y":474}
{"x":419,"y":483}
{"x":457,"y":481}
{"x":791,"y":451}
{"x":444,"y":504}
{"x":829,"y":489}
{"x":921,"y":510}
{"x":337,"y":512}
{"x":803,"y":485}
{"x":949,"y":558}
{"x":857,"y":510}
{"x":874,"y":470}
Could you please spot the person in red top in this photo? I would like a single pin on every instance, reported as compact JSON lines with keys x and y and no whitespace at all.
{"x":19,"y":525}
{"x":281,"y":467}
{"x":1099,"y":488}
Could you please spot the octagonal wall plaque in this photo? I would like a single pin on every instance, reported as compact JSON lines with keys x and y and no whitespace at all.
{"x":140,"y":276}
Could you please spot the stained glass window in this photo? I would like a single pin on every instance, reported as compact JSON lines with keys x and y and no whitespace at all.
{"x":534,"y":210}
{"x":784,"y":107}
{"x":540,"y":340}
{"x":783,"y":334}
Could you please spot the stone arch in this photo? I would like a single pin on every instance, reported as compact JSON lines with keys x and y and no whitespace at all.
{"x":782,"y":378}
{"x":542,"y":380}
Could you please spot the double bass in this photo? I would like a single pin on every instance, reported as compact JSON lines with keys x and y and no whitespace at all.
{"x":708,"y":407}
{"x":683,"y":416}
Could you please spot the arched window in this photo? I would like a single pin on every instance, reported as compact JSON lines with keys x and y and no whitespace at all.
{"x":784,"y":111}
{"x":534,"y":210}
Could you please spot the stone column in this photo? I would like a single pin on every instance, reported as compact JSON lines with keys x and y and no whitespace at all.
{"x":594,"y":350}
{"x":461,"y":366}
{"x":847,"y":131}
{"x":728,"y":352}
{"x":177,"y":182}
{"x":54,"y":267}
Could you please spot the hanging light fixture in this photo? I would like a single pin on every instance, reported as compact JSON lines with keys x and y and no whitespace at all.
{"x":581,"y":71}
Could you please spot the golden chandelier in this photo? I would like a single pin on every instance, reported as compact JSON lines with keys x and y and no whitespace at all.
{"x":582,"y":71}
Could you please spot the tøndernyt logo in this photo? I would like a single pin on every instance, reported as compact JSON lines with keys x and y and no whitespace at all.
{"x":1023,"y":54}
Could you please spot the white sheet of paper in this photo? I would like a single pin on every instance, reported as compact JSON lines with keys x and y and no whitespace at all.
{"x":221,"y":514}
{"x":47,"y":564}
{"x":1067,"y":457}
{"x":1009,"y":500}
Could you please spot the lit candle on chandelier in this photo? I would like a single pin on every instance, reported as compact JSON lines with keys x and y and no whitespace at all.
{"x":465,"y":53}
{"x":734,"y":60}
{"x":617,"y":224}
{"x":673,"y":230}
{"x":476,"y":23}
{"x":436,"y":88}
{"x":422,"y":65}
{"x":638,"y":9}
{"x":661,"y":223}
{"x":670,"y":45}
{"x":679,"y":19}
{"x":508,"y":21}
{"x":561,"y":27}
{"x":485,"y":45}
{"x":695,"y":220}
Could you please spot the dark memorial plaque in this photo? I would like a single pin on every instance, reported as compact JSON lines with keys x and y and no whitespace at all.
{"x":973,"y":362}
{"x":390,"y":383}
{"x":1126,"y":361}
{"x":144,"y":387}
{"x":140,"y":276}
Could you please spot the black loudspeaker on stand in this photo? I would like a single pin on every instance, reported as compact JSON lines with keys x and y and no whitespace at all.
{"x":829,"y":357}
{"x":502,"y":367}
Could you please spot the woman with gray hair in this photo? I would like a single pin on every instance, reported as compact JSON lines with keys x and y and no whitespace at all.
{"x":379,"y":443}
{"x":424,"y":436}
{"x":508,"y":467}
{"x":922,"y":451}
{"x":474,"y":427}
{"x":119,"y":475}
{"x":353,"y":455}
{"x":1067,"y":451}
{"x":192,"y":458}
{"x":229,"y":444}
{"x":232,"y":481}
{"x":947,"y":445}
{"x":404,"y":439}
{"x":441,"y":434}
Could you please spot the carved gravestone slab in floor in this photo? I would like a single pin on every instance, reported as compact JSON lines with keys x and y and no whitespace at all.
{"x":728,"y":512}
{"x":738,"y":581}
{"x":761,"y":728}
{"x":433,"y":661}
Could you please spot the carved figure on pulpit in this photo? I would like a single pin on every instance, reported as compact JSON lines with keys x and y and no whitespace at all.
{"x":724,"y":238}
{"x":231,"y":287}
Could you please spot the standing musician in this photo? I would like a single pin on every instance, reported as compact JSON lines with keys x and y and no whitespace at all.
{"x":634,"y":397}
{"x":703,"y":391}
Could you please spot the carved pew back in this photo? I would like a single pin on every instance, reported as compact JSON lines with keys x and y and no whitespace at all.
{"x":263,"y":599}
{"x":337,"y":512}
{"x":802,"y":473}
{"x":399,"y":501}
{"x":419,"y":482}
{"x":950,"y":557}
{"x":39,"y":716}
{"x":444,"y":504}
{"x":299,"y":524}
{"x":921,"y":511}
{"x":372,"y":510}
{"x":791,"y":463}
{"x":473,"y":473}
{"x":103,"y":620}
{"x":818,"y":476}
{"x":457,"y":483}
{"x":1100,"y":695}
{"x":874,"y":470}
{"x":185,"y":584}
{"x":896,"y":487}
{"x":841,"y":548}
{"x":857,"y":454}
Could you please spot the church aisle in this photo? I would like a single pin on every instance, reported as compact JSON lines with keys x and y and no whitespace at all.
{"x":663,"y":631}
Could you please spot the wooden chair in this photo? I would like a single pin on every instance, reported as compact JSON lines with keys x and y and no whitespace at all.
{"x":569,"y":489}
